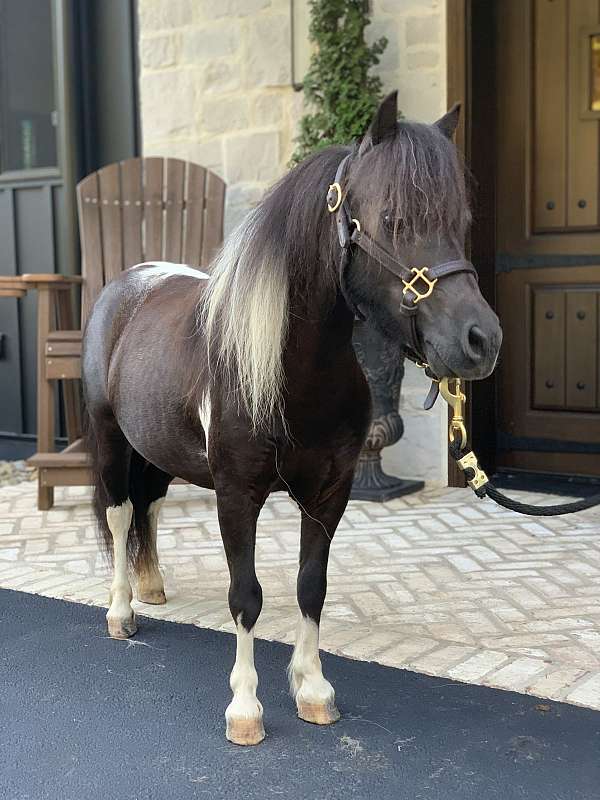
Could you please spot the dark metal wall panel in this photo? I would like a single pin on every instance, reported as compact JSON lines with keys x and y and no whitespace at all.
{"x":34,"y":227}
{"x":8,"y":258}
{"x":10,"y":369}
{"x":11,"y":418}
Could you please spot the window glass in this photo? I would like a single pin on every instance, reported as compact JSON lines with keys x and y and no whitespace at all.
{"x":27,"y":97}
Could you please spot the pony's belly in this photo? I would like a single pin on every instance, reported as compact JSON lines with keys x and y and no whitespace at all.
{"x":176,"y":458}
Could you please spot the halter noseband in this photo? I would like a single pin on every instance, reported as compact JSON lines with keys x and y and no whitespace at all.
{"x":418,"y":283}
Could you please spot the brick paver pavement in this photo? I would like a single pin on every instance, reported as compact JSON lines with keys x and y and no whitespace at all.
{"x":438,"y":582}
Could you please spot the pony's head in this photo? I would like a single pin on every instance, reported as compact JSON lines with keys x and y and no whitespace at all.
{"x":404,"y":188}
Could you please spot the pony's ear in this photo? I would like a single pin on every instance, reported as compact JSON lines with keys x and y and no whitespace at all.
{"x":384,"y":123}
{"x":449,"y":122}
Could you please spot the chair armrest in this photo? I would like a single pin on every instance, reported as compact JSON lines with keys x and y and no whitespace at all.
{"x":12,"y":287}
{"x":50,"y":280}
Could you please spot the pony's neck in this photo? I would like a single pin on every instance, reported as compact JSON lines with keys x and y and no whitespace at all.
{"x":318,"y":339}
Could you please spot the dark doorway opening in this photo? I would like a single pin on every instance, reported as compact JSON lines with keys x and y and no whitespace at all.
{"x":68,"y":105}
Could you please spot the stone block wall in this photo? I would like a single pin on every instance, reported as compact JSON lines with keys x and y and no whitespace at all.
{"x":215,"y":88}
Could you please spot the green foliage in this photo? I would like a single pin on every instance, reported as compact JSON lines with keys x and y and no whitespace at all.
{"x":341,"y":94}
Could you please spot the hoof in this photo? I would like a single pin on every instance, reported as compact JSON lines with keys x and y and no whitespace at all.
{"x":121,"y":628}
{"x":318,"y":713}
{"x":154,"y":597}
{"x":245,"y":731}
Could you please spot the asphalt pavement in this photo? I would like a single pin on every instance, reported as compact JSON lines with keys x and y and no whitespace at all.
{"x":84,"y":717}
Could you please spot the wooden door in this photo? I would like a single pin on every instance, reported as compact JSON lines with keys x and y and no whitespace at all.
{"x":548,"y":235}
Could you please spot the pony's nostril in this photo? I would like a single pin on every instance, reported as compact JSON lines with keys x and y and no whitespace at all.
{"x":477,"y":343}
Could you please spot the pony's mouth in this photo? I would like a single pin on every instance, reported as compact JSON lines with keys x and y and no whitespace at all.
{"x":452,"y":363}
{"x":437,"y":362}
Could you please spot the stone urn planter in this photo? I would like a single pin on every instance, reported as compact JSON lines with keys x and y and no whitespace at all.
{"x":383,"y":364}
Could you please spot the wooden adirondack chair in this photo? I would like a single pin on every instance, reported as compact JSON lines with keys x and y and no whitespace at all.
{"x":137,"y":210}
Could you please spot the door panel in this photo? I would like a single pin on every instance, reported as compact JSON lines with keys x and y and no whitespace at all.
{"x":582,"y":349}
{"x":548,"y":236}
{"x":550,"y":145}
{"x":549,"y":348}
{"x":582,"y":171}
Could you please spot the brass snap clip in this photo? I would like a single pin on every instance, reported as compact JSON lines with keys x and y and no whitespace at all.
{"x":457,"y":401}
{"x":409,"y":286}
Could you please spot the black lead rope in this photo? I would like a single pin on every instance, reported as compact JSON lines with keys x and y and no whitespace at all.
{"x":466,"y":460}
{"x":489,"y":490}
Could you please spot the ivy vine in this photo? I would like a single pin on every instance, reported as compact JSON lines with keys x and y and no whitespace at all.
{"x":340,"y":92}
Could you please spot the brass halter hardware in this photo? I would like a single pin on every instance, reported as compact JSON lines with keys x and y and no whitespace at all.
{"x":457,"y":428}
{"x":457,"y":401}
{"x":409,"y":286}
{"x":331,"y":205}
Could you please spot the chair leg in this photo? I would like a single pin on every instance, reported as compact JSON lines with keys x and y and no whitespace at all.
{"x":45,"y":394}
{"x":71,"y":393}
{"x":45,"y":497}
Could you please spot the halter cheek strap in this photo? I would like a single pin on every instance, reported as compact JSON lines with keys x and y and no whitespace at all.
{"x":418,"y":283}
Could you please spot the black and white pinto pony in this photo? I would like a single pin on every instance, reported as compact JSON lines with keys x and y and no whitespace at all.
{"x":246,"y":381}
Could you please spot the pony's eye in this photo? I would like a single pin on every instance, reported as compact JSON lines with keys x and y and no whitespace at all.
{"x":389,"y":222}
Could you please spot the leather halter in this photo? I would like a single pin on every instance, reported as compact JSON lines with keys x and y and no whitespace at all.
{"x":415,"y":280}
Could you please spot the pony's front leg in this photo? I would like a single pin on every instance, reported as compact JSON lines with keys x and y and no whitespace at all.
{"x":237,"y":520}
{"x":315,"y":696}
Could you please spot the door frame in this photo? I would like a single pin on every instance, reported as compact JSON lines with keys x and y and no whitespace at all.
{"x":471,"y":81}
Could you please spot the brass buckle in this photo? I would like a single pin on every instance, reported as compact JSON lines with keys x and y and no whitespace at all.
{"x":457,"y":401}
{"x":409,"y":286}
{"x":334,"y":187}
{"x":469,"y":461}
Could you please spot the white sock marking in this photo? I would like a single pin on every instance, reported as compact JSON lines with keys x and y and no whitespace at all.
{"x":305,"y":672}
{"x":244,"y":679}
{"x":119,"y":520}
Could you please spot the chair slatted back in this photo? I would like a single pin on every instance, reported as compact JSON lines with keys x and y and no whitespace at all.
{"x":146,"y":209}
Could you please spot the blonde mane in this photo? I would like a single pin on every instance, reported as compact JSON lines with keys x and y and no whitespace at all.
{"x":244,"y":314}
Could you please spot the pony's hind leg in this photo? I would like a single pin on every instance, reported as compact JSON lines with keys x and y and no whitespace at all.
{"x":120,"y":616}
{"x":111,"y":455}
{"x":148,"y":488}
{"x":314,"y":695}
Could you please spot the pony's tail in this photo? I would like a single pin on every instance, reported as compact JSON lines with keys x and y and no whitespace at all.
{"x":100,"y":500}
